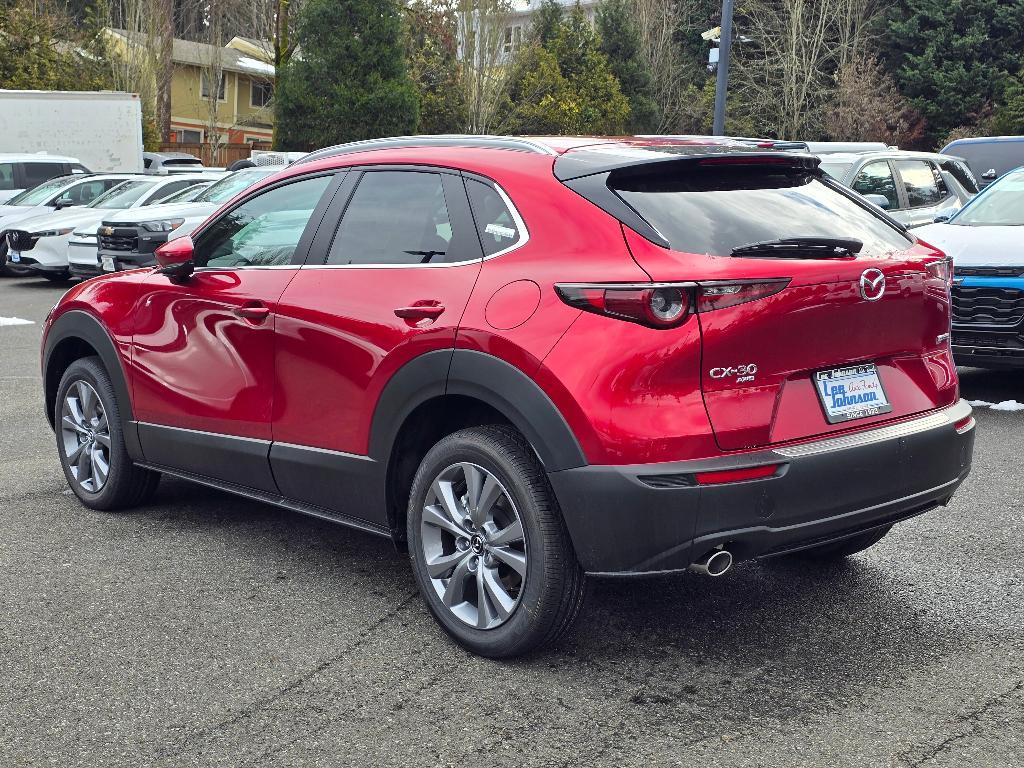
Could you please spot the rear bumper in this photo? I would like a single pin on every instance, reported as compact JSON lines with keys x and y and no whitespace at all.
{"x":632,"y":520}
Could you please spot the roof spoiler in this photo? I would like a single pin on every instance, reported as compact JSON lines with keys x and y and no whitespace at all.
{"x":588,"y":161}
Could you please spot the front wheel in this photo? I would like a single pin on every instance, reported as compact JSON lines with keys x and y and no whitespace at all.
{"x":489,"y":550}
{"x":90,"y":441}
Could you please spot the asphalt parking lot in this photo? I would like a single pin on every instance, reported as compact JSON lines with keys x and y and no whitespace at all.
{"x":206,"y":630}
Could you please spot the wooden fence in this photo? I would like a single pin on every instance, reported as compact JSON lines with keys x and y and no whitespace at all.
{"x":224,"y":156}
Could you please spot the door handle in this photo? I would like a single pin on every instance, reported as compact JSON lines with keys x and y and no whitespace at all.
{"x":421,"y":311}
{"x":255,"y":312}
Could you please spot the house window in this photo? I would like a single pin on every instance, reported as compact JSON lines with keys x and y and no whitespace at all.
{"x":204,"y":86}
{"x":512,"y":39}
{"x":187,"y":136}
{"x":260,"y":93}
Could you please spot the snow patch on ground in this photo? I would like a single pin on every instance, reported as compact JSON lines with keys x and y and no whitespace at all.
{"x":1008,"y":405}
{"x":15,"y":321}
{"x":1005,"y":405}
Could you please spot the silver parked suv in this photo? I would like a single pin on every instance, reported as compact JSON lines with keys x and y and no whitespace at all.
{"x":915,"y":188}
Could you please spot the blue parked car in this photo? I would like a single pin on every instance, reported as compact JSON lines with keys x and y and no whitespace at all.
{"x":986,"y":241}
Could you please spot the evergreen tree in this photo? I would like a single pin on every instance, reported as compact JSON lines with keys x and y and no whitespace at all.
{"x":547,"y":20}
{"x":434,"y":66}
{"x":620,"y":43}
{"x":953,"y":58}
{"x":351,"y":81}
{"x":566,"y":87}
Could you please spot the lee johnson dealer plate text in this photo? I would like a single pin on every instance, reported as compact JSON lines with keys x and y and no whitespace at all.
{"x":851,"y":393}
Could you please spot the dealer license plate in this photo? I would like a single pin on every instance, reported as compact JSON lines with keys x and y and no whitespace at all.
{"x":14,"y":256}
{"x":851,"y":393}
{"x":107,"y":262}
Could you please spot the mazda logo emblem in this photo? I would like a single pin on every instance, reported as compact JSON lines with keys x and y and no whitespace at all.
{"x":872,"y":284}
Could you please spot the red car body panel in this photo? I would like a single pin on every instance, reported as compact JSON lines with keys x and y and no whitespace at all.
{"x":197,"y":364}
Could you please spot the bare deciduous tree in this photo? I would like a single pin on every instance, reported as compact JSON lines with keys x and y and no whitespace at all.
{"x":482,"y":26}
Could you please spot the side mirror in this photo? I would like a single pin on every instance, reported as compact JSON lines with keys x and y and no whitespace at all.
{"x":174,"y":258}
{"x":942,"y":218}
{"x":62,"y":203}
{"x":989,"y":175}
{"x":880,"y":200}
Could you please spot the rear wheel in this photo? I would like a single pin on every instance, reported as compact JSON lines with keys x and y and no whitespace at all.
{"x":488,"y":546}
{"x":91,"y":444}
{"x":837,"y":550}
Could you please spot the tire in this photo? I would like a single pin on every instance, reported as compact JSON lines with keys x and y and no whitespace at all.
{"x":82,"y":437}
{"x":546,"y":598}
{"x":838,"y":550}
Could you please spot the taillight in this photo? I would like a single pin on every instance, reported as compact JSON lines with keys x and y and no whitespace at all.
{"x":721,"y":476}
{"x":663,"y":305}
{"x":941,"y":269}
{"x":656,"y":305}
{"x":712,"y":296}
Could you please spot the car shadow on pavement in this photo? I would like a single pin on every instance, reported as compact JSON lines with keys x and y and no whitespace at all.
{"x":991,"y":385}
{"x":774,"y":640}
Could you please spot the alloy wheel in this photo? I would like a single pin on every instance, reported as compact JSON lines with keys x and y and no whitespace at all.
{"x":473,"y":545}
{"x":86,"y":436}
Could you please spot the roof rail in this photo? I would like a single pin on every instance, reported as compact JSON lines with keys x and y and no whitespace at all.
{"x":446,"y":140}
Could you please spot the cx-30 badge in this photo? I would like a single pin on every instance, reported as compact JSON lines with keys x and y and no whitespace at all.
{"x":872,"y":284}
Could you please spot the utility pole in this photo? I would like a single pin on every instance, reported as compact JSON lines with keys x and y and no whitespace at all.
{"x":722,"y":81}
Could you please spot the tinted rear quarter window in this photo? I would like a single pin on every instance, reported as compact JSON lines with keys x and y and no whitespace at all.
{"x":713,"y":211}
{"x":498,"y":226}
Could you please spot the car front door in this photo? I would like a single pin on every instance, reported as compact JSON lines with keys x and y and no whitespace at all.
{"x":876,"y":178}
{"x":385,"y":283}
{"x":203,"y":348}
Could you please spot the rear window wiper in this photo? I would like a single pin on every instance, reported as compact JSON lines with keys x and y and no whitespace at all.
{"x":802,"y":248}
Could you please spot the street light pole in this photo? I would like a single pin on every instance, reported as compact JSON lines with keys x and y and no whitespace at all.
{"x":722,"y":82}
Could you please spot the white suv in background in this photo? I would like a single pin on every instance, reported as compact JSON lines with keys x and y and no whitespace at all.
{"x":41,"y":242}
{"x":19,"y":172}
{"x":55,"y":194}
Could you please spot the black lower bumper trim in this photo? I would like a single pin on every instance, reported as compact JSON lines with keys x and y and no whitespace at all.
{"x":825,"y":491}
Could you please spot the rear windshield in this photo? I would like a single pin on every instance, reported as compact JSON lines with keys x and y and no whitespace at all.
{"x":714,"y":211}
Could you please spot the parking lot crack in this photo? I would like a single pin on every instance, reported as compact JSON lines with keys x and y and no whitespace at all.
{"x":266,"y":702}
{"x":971,"y":719}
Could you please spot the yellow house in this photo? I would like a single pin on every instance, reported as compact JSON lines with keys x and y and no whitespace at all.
{"x":240,"y":111}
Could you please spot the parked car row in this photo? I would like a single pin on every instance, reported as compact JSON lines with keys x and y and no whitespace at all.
{"x":107,"y":222}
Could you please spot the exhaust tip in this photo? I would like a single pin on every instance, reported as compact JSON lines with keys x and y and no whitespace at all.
{"x":714,"y":563}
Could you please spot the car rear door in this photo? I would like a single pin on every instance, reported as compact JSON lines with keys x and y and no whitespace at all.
{"x":203,"y":348}
{"x":385,"y":282}
{"x":924,"y":190}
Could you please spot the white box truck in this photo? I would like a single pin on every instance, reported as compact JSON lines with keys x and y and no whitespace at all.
{"x":102,"y":129}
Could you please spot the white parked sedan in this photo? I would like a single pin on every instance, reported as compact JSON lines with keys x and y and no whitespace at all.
{"x":42,"y":242}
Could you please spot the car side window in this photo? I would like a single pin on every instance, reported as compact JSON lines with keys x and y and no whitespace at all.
{"x":37,"y":173}
{"x":498,"y":227}
{"x":876,"y":179}
{"x":922,"y":182}
{"x":87,"y":191}
{"x":169,"y":189}
{"x":264,"y":230}
{"x":394,"y":217}
{"x":7,"y":176}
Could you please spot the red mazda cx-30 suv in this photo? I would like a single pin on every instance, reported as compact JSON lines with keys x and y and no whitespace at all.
{"x":530,"y":360}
